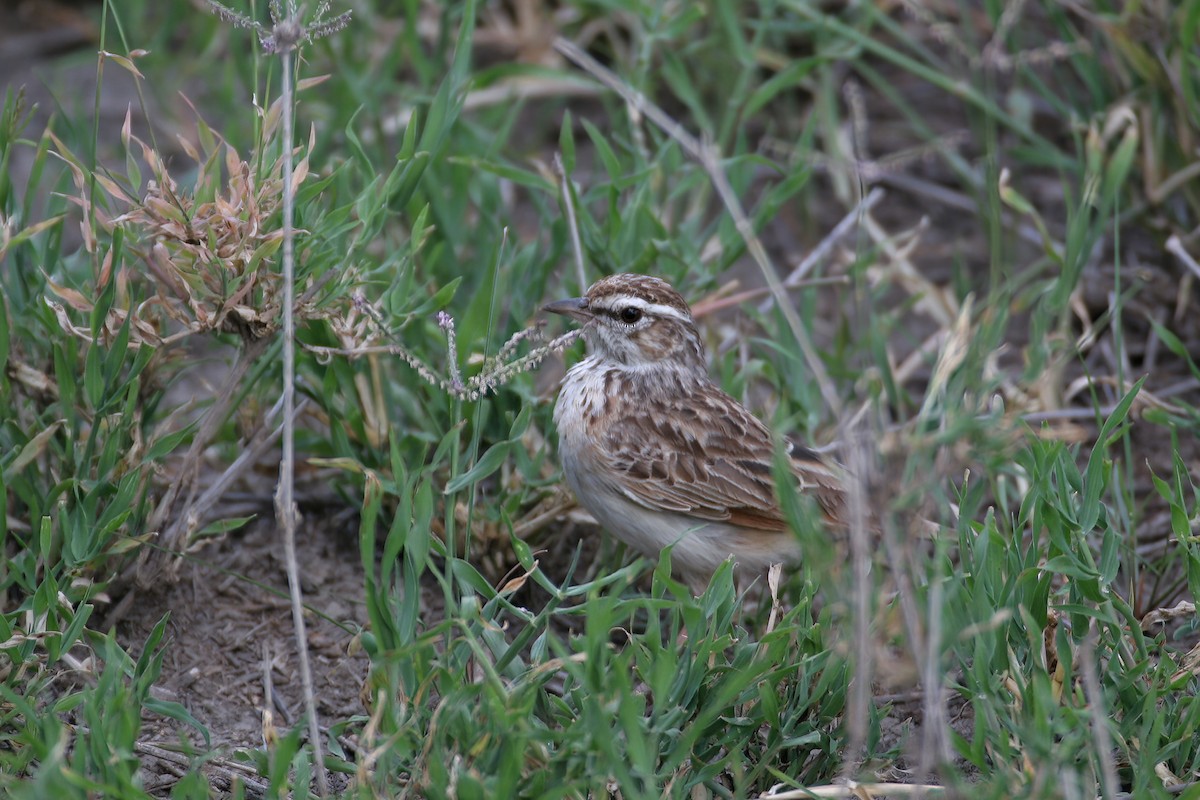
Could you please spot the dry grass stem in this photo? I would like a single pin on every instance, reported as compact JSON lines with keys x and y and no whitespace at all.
{"x":1099,"y":715}
{"x":868,"y":170}
{"x":568,"y":200}
{"x":993,"y":55}
{"x":154,"y":564}
{"x":1175,"y":247}
{"x":708,"y":157}
{"x":286,"y":510}
{"x":287,"y":32}
{"x":819,"y":253}
{"x":509,"y":90}
{"x":250,"y":455}
{"x":224,"y":773}
{"x":858,"y":791}
{"x":938,"y":302}
{"x":858,"y":697}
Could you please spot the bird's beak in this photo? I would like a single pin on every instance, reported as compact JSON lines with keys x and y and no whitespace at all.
{"x":574,"y":307}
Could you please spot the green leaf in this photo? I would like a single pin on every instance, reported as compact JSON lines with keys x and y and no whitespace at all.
{"x":521,"y":423}
{"x":403,"y":181}
{"x":357,"y":151}
{"x":164,"y":445}
{"x":408,"y":144}
{"x":521,"y":177}
{"x":1118,"y":167}
{"x":93,"y":377}
{"x":461,"y":66}
{"x":566,"y":142}
{"x":421,"y":230}
{"x":116,"y":359}
{"x":1070,"y":566}
{"x":75,"y":627}
{"x":223,"y":526}
{"x":612,"y":165}
{"x":1098,"y":465}
{"x":417,"y":546}
{"x":785,"y":79}
{"x":488,"y":463}
{"x":4,"y":334}
{"x":372,"y":502}
{"x":1176,"y":346}
{"x":1110,"y":556}
{"x":443,"y":296}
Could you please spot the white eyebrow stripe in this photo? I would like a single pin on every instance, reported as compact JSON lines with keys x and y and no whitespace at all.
{"x":661,"y":309}
{"x":666,"y":311}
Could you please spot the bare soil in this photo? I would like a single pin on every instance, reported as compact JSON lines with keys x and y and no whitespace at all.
{"x":230,"y":651}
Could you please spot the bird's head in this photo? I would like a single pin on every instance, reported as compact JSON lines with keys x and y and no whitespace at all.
{"x":637,"y":321}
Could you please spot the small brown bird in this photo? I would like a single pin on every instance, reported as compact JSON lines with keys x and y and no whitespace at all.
{"x":658,"y":453}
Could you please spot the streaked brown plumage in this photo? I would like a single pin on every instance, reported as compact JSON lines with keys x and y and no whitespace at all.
{"x":658,"y":453}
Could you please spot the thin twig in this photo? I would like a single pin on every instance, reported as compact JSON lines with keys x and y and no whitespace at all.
{"x":858,"y":703}
{"x":229,"y":771}
{"x":285,"y":502}
{"x":572,"y":225}
{"x":508,"y":92}
{"x":1101,"y":737}
{"x":935,"y":750}
{"x":957,"y":200}
{"x":194,"y":513}
{"x":1177,"y":789}
{"x":1175,"y":247}
{"x":151,"y":564}
{"x":577,"y":55}
{"x":709,"y":158}
{"x":821,"y":251}
{"x":796,"y":278}
{"x":854,"y":789}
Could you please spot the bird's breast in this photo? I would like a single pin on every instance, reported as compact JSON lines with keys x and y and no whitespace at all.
{"x":583,"y":402}
{"x":583,"y":413}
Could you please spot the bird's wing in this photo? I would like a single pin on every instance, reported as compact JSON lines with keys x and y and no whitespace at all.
{"x":706,"y":456}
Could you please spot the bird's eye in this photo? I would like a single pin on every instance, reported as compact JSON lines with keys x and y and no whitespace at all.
{"x":630,"y":314}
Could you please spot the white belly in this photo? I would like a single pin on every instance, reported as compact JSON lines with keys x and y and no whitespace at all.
{"x":699,"y":546}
